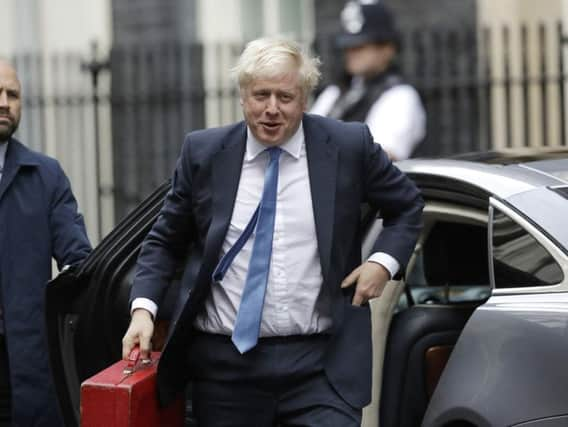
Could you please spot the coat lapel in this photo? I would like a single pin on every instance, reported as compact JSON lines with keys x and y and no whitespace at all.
{"x":16,"y":156}
{"x":226,"y":173}
{"x":322,"y":157}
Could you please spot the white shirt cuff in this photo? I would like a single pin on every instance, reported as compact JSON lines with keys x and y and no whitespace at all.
{"x":146,"y":304}
{"x":385,"y":260}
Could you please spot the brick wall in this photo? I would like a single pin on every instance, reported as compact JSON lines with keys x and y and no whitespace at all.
{"x":433,"y":14}
{"x":157,"y":92}
{"x":153,"y":20}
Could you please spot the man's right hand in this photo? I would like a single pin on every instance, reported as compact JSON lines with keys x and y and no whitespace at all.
{"x":139,"y":332}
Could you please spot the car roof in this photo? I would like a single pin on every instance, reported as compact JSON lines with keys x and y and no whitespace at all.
{"x":514,"y":155}
{"x":537,"y":185}
{"x":502,"y":174}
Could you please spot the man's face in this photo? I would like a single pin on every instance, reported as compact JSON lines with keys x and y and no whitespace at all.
{"x":273,"y":108}
{"x":369,"y":59}
{"x":10,"y":102}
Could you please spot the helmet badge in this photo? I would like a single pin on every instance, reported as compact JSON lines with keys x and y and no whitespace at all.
{"x":352,"y":17}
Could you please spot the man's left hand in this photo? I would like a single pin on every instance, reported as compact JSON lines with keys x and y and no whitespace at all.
{"x":370,"y":279}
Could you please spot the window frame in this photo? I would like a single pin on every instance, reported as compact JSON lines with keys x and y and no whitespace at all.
{"x":556,"y":253}
{"x":435,"y":212}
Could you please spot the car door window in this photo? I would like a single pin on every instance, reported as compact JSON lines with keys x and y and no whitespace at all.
{"x":519,"y":260}
{"x":451,"y":265}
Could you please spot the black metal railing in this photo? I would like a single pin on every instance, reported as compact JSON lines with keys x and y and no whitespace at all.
{"x":482,"y":89}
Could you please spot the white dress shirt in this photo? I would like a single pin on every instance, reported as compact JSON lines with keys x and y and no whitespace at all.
{"x":397,"y":119}
{"x":294,"y":303}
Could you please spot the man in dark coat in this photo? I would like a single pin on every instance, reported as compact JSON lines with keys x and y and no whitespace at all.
{"x":38,"y":221}
{"x":276,"y":329}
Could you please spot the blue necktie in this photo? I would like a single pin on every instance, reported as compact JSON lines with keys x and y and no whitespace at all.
{"x":247,"y":325}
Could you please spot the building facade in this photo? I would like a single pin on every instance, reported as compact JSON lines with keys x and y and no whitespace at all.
{"x":491,"y":75}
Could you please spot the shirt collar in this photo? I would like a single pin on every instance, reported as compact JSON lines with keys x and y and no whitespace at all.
{"x":3,"y":148}
{"x":293,"y":146}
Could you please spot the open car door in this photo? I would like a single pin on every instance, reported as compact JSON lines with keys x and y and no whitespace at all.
{"x":418,"y":321}
{"x":87,"y":308}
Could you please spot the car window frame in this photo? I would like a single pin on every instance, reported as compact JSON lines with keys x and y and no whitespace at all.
{"x":556,"y":253}
{"x":436,"y":211}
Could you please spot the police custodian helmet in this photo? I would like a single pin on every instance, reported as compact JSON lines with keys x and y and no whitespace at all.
{"x":366,"y":22}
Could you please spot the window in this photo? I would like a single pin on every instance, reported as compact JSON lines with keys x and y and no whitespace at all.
{"x":451,"y":265}
{"x":519,"y":260}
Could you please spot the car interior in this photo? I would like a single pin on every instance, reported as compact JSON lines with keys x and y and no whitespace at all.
{"x":417,"y":323}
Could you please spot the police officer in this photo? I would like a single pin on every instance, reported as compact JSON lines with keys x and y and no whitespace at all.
{"x":376,"y":94}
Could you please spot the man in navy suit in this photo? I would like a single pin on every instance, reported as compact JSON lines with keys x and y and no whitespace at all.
{"x":265,"y":214}
{"x":38,"y":221}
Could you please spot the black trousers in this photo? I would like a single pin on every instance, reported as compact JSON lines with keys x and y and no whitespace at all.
{"x":281,"y":382}
{"x":5,"y":393}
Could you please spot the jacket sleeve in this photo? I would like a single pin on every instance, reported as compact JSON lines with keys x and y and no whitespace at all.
{"x":398,"y":200}
{"x":167,"y":242}
{"x":70,"y":243}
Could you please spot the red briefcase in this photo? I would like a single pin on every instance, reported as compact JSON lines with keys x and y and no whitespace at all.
{"x":124,"y":395}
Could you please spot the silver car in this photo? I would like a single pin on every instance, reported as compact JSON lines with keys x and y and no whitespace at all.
{"x":476,"y":336}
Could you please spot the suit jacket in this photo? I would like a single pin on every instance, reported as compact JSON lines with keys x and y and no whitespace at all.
{"x":38,"y":221}
{"x":345,"y":169}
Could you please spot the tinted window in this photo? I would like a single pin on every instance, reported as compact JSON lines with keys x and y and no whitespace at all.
{"x":519,"y":260}
{"x":451,"y":266}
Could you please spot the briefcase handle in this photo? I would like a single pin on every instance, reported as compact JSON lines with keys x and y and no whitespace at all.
{"x":134,"y":362}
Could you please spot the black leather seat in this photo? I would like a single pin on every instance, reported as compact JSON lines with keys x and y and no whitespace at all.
{"x":421,"y":337}
{"x":413,"y":332}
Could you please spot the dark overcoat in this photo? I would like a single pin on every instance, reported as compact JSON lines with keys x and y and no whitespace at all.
{"x":38,"y":221}
{"x":346,"y":168}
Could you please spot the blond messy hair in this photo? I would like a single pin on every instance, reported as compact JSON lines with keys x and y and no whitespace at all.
{"x":273,"y":57}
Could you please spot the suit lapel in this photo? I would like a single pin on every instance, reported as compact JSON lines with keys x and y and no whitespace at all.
{"x":322,"y":157}
{"x":226,"y":173}
{"x":16,"y":157}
